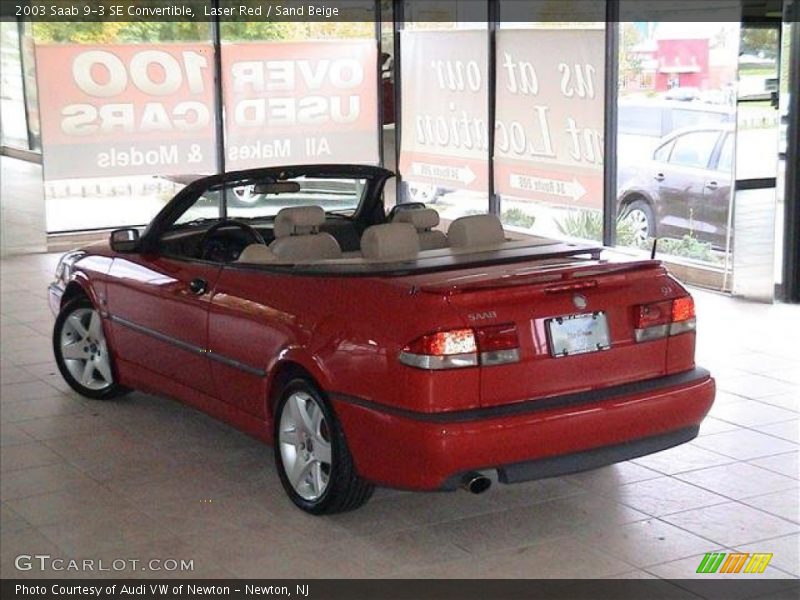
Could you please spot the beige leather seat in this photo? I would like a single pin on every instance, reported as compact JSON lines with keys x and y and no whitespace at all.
{"x":476,"y":230}
{"x":424,"y":220}
{"x":298,"y":238}
{"x":390,"y":242}
{"x":257,"y":254}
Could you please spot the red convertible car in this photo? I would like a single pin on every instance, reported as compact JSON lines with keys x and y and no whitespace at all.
{"x":373,"y":349}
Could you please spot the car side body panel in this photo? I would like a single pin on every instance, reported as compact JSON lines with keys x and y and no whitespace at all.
{"x":158,"y":322}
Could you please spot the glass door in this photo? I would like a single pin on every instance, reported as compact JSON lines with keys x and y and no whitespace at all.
{"x":756,"y":216}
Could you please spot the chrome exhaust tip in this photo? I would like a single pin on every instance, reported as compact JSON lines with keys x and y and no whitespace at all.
{"x":475,"y":483}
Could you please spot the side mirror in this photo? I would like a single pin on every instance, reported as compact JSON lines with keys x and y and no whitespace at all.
{"x":125,"y":240}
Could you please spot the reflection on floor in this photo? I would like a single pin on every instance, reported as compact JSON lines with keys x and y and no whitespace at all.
{"x":22,"y":214}
{"x":144,"y":477}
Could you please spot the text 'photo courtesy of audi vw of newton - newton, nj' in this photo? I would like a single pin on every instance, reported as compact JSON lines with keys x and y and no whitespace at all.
{"x":373,"y":349}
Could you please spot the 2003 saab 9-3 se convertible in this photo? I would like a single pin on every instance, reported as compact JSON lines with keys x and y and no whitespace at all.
{"x":373,"y":349}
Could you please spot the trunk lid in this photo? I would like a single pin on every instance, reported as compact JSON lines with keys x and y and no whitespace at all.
{"x":532,"y":295}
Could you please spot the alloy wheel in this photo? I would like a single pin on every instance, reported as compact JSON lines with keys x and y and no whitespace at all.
{"x":640,"y":224}
{"x":84,"y":349}
{"x":305,"y":446}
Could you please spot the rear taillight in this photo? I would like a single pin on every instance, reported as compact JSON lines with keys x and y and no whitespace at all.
{"x":683,"y":317}
{"x":498,"y":344}
{"x":442,"y":350}
{"x":660,"y":319}
{"x":652,"y":320}
{"x":456,"y":348}
{"x":682,"y":309}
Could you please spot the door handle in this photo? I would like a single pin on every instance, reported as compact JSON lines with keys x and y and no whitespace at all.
{"x":712,"y":185}
{"x":198,"y":286}
{"x":659,"y":177}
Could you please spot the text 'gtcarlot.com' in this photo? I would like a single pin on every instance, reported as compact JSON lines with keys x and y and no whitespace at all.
{"x":46,"y":562}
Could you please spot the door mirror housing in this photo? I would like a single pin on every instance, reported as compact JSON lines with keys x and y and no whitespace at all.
{"x":125,"y":240}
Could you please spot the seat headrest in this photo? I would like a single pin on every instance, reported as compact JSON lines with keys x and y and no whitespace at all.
{"x":421,"y":218}
{"x":475,"y":230}
{"x":257,"y":254}
{"x":298,"y":220}
{"x":390,"y":241}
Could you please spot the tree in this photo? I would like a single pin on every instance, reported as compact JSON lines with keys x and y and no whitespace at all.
{"x":630,"y":63}
{"x":759,"y":41}
{"x":108,"y":32}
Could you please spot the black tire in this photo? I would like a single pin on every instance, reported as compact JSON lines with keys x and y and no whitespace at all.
{"x":345,"y":490}
{"x":643,"y":207}
{"x":114,"y":390}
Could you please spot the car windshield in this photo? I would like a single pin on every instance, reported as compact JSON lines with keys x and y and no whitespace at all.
{"x":263,"y":199}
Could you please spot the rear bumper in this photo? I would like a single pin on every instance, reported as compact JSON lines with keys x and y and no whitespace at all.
{"x":588,"y":459}
{"x":525,"y":440}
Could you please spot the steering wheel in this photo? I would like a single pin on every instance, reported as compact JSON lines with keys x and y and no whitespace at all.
{"x":208,"y":248}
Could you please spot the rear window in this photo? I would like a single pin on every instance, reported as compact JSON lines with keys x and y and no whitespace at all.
{"x":693,"y":118}
{"x":640,"y":120}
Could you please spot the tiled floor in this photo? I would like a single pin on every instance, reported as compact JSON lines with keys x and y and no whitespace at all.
{"x":144,"y":477}
{"x":22,"y":214}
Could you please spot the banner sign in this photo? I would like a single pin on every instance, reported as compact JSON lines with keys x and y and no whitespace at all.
{"x":444,"y":109}
{"x":550,"y":115}
{"x":118,"y":110}
{"x":300,"y":103}
{"x":112,"y":110}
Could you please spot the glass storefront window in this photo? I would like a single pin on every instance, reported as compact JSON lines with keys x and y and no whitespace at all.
{"x":784,"y":98}
{"x":300,"y":93}
{"x":127,"y":118}
{"x":12,"y":90}
{"x":129,"y":113}
{"x":549,"y":140}
{"x":676,"y":137}
{"x":445,"y":109}
{"x":27,"y":53}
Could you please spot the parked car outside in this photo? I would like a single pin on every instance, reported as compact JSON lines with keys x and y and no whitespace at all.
{"x":682,"y":94}
{"x":642,"y":123}
{"x":683,"y":186}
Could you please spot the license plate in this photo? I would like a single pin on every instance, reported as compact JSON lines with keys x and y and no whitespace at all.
{"x":578,"y":334}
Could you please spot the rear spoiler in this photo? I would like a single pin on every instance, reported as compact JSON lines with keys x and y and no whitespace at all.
{"x":553,"y":274}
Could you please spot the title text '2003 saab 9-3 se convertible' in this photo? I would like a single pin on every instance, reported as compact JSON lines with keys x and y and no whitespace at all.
{"x":372,"y":349}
